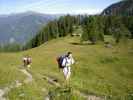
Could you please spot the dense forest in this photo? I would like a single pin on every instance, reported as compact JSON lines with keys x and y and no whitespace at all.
{"x":94,"y":28}
{"x":54,"y":29}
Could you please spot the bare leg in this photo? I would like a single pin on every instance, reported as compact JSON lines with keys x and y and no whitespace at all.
{"x":65,"y":71}
{"x":68,"y":73}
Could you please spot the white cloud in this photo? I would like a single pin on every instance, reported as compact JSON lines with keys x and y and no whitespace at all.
{"x":88,"y":11}
{"x":77,"y":11}
{"x":52,"y":7}
{"x":55,"y":7}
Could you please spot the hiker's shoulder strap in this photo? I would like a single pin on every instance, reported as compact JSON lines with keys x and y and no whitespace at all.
{"x":64,"y":61}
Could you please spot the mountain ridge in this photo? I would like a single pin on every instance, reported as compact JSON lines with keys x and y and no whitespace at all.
{"x":123,"y":8}
{"x":21,"y":26}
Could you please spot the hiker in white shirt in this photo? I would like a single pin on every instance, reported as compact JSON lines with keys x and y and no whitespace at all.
{"x":67,"y":62}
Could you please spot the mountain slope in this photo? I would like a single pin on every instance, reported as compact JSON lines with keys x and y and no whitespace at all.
{"x":98,"y":70}
{"x":21,"y":27}
{"x":124,"y":7}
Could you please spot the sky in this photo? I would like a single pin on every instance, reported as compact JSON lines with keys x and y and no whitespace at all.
{"x":55,"y":6}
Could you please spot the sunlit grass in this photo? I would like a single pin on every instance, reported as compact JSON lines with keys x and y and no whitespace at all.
{"x":98,"y":70}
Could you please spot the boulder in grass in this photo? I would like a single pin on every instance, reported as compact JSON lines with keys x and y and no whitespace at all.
{"x":108,"y":45}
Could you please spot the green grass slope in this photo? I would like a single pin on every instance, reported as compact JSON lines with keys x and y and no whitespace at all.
{"x":98,"y":70}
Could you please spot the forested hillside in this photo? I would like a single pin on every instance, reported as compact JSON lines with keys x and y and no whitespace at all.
{"x":124,"y":8}
{"x":54,"y":29}
{"x":94,"y":29}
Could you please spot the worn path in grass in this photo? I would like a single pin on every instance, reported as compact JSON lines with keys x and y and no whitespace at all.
{"x":29,"y":77}
{"x":16,"y":84}
{"x":87,"y":96}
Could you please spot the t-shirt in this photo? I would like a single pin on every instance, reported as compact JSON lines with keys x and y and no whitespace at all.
{"x":68,"y":62}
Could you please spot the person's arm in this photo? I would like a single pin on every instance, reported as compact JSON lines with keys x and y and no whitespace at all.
{"x":72,"y":61}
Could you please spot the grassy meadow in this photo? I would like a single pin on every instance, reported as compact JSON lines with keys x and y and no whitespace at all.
{"x":98,"y":70}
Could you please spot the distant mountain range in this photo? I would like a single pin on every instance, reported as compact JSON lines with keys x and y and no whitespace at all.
{"x":124,"y":8}
{"x":21,"y":27}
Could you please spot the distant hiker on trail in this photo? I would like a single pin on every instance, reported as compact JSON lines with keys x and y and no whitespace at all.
{"x":27,"y":61}
{"x":64,"y":63}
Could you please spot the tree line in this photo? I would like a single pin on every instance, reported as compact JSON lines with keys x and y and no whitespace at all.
{"x":10,"y":47}
{"x":94,"y":29}
{"x":55,"y":29}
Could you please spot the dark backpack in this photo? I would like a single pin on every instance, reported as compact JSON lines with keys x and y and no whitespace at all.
{"x":60,"y":60}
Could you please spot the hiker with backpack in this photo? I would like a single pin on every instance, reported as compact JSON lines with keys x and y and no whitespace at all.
{"x":64,"y":63}
{"x":27,"y":61}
